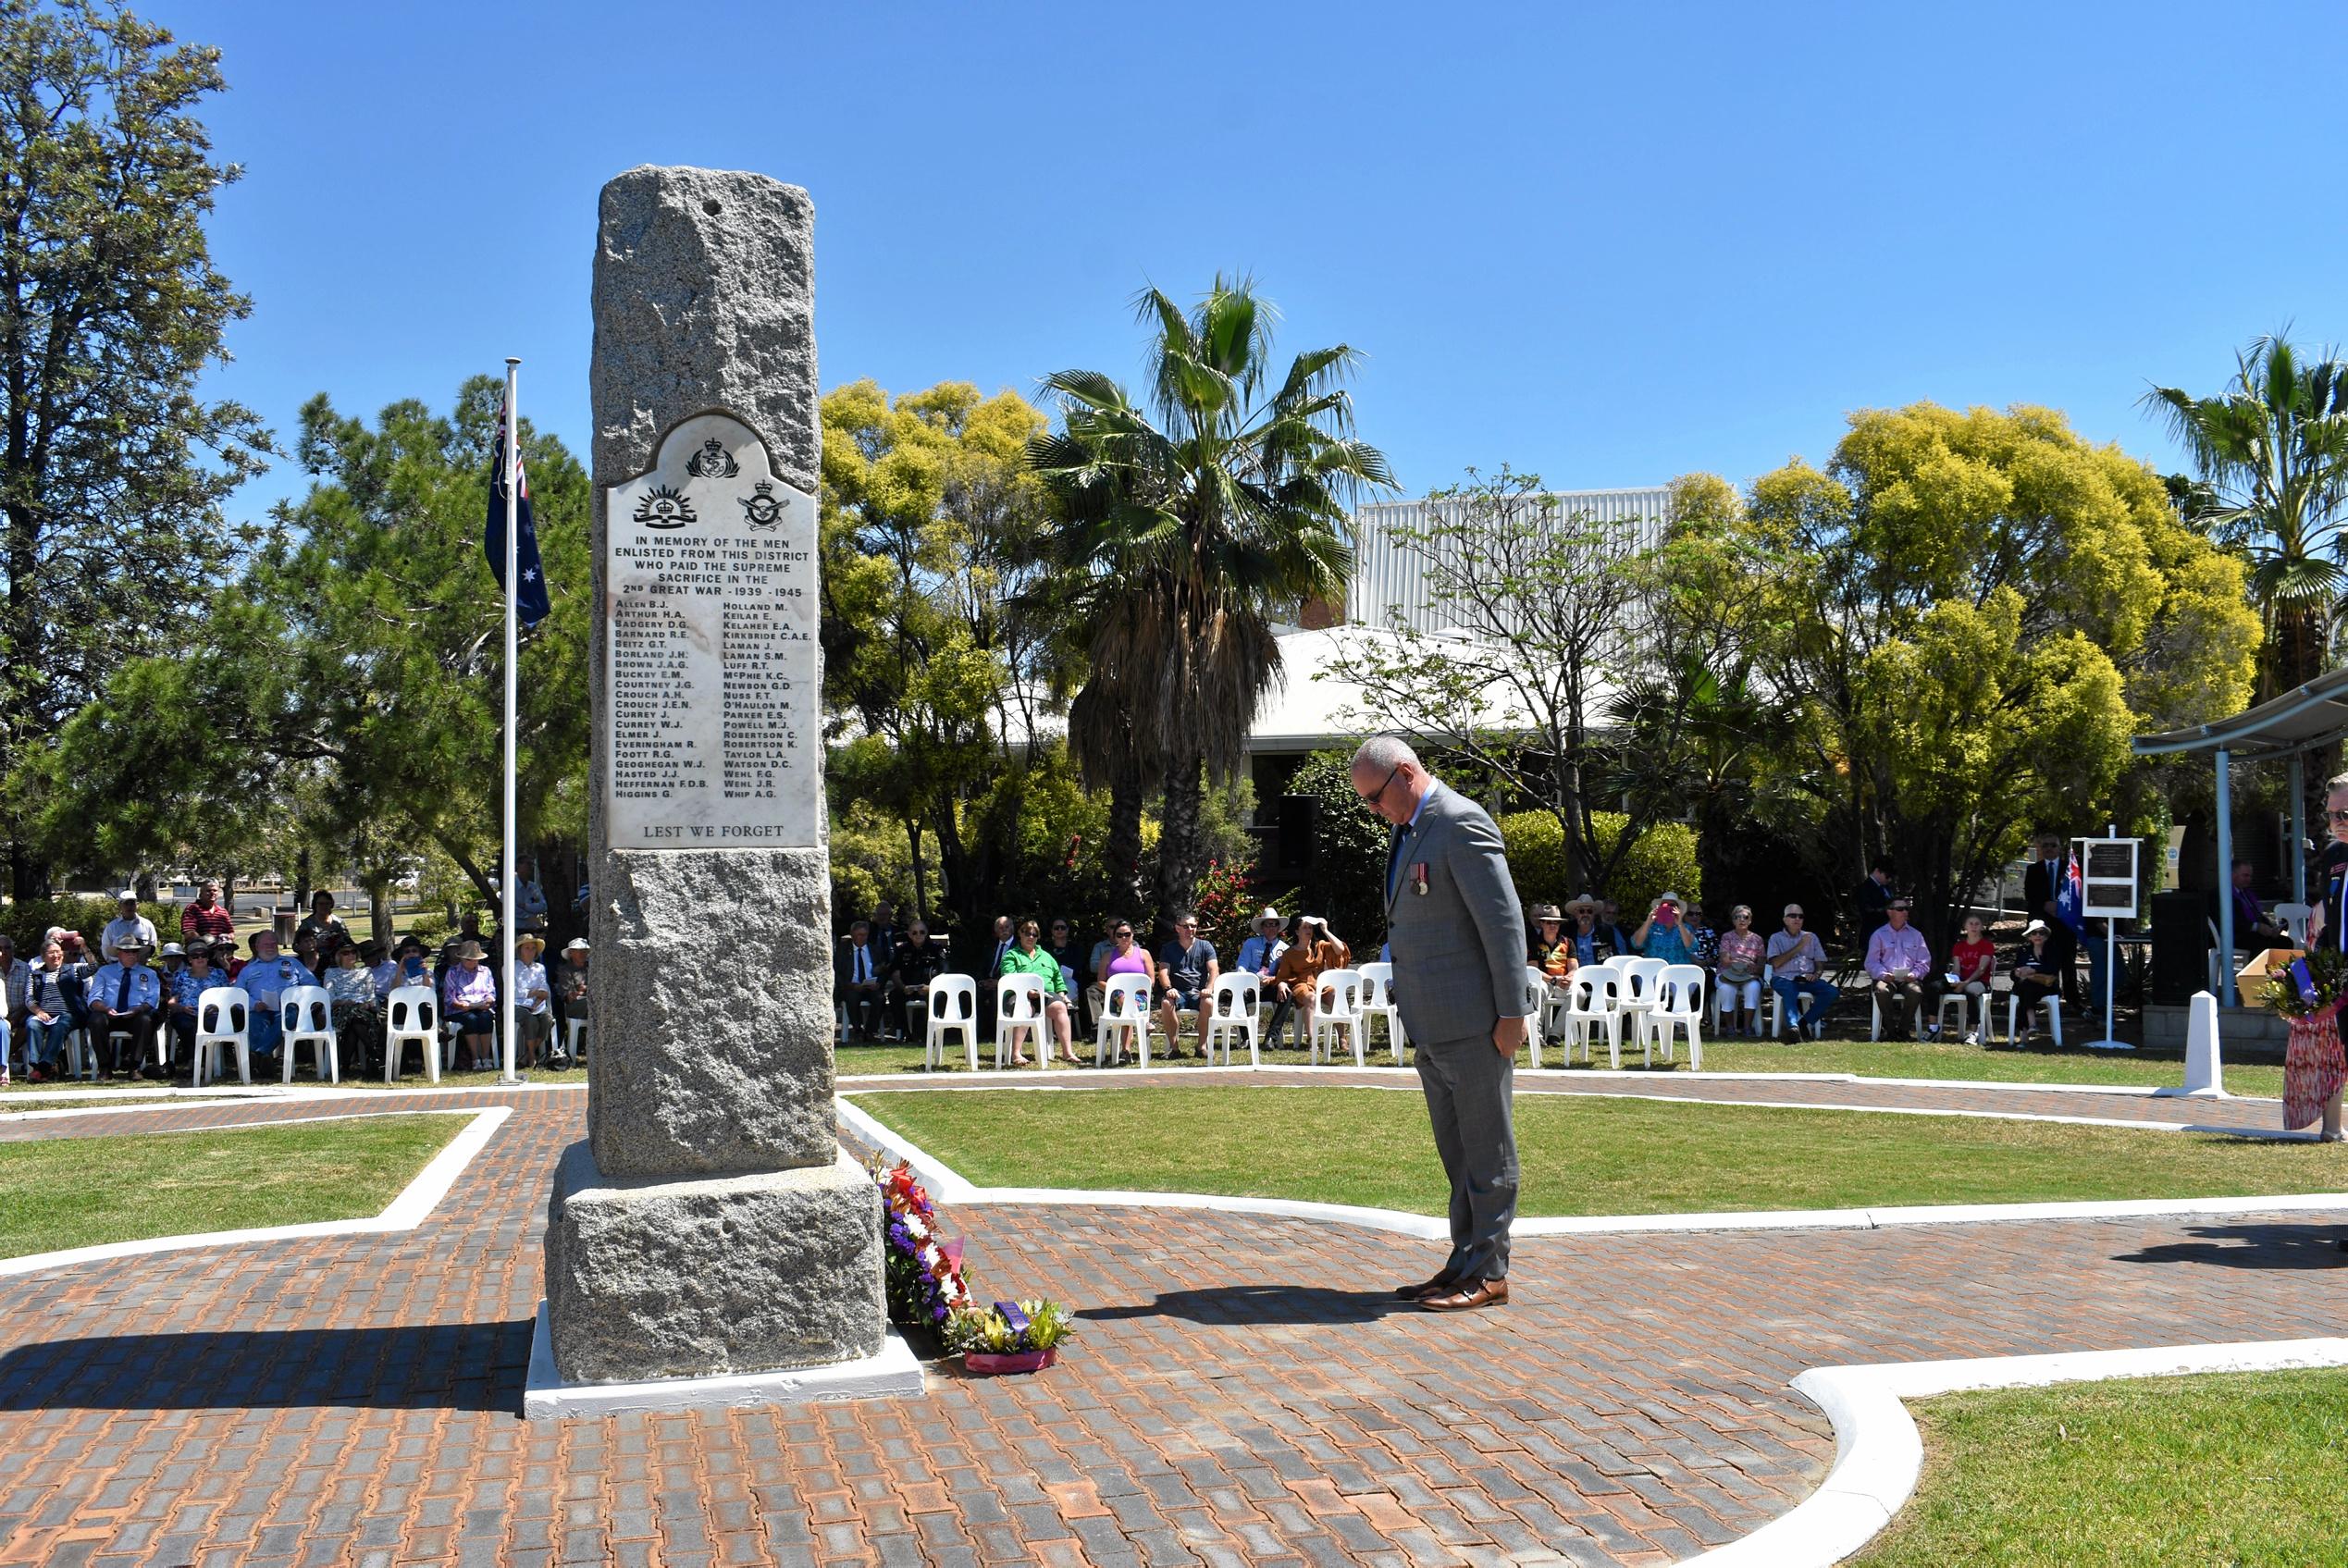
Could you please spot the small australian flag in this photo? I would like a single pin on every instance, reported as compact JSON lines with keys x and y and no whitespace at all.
{"x":2071,"y":897}
{"x":531,"y":602}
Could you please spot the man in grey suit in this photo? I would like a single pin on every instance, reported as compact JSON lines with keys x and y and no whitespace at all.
{"x":1458,"y":941}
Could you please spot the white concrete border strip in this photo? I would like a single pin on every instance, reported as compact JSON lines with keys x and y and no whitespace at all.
{"x":1878,"y":1455}
{"x":1005,"y":1078}
{"x":949,"y":1186}
{"x":415,"y":1204}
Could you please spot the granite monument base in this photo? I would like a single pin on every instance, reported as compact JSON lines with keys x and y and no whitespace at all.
{"x":652,"y":1278}
{"x":893,"y":1373}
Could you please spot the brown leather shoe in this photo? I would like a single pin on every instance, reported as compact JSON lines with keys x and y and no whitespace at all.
{"x":1468,"y":1297}
{"x":1439,"y":1286}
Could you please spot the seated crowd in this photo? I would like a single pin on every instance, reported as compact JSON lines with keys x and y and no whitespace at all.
{"x":1897,"y":964}
{"x":132,"y":1020}
{"x":883,"y":974}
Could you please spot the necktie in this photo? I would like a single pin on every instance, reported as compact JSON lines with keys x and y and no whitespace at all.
{"x":863,"y":960}
{"x":122,"y":990}
{"x":1394,"y":858}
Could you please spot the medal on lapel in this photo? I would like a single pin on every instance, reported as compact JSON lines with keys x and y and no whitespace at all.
{"x":1419,"y":878}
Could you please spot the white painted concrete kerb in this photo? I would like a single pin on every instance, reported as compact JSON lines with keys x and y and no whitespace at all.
{"x":949,"y":1186}
{"x":415,"y":1201}
{"x":1878,"y":1454}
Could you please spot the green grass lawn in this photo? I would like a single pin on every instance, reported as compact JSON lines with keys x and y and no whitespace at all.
{"x":57,"y":1192}
{"x":1580,"y":1155}
{"x":2154,"y":1473}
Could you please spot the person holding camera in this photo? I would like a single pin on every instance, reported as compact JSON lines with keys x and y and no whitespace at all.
{"x":1663,"y":936}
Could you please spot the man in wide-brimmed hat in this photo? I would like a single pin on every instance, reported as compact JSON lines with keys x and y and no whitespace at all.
{"x":125,"y":997}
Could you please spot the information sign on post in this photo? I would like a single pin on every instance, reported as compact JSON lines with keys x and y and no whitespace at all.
{"x":2107,"y":891}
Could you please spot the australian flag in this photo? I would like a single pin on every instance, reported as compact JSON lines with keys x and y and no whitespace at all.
{"x":2071,"y":896}
{"x":531,"y":602}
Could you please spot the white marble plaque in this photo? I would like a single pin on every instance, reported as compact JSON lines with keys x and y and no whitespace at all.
{"x":710,"y":621}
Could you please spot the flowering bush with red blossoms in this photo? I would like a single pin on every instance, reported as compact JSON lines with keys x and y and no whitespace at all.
{"x":924,"y":1269}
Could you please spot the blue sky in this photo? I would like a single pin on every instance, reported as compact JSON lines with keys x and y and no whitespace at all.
{"x":1607,"y":244}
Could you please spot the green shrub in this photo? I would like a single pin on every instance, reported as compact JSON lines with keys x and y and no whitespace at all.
{"x":27,"y":922}
{"x":1224,"y":904}
{"x":430,"y":927}
{"x":1662,"y":860}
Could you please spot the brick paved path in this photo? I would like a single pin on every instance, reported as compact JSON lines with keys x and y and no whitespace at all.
{"x":1242,"y":1391}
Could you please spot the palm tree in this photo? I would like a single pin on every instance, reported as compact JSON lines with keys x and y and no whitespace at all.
{"x":1186,"y":536}
{"x":2273,"y":447}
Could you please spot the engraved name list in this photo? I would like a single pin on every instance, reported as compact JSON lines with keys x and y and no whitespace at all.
{"x":709,"y":606}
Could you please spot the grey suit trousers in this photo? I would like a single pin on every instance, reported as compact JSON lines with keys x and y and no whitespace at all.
{"x":1469,"y":1087}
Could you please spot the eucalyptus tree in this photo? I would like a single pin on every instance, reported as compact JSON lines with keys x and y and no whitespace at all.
{"x":2273,"y":449}
{"x":1193,"y":521}
{"x":113,"y":468}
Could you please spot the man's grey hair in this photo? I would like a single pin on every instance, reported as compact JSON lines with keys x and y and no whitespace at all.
{"x":1385,"y":753}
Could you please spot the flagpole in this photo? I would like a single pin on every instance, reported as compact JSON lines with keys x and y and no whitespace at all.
{"x":513,"y":688}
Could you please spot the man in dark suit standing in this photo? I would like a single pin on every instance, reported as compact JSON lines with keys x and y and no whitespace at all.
{"x":2042,"y":885}
{"x":1458,"y":939}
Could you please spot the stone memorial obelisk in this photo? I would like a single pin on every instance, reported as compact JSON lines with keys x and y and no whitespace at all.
{"x":710,"y":1227}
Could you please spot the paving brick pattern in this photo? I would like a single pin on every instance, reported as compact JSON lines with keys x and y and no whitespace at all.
{"x":1244,"y":1392}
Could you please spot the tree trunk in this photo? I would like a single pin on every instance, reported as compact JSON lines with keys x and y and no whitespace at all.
{"x":302,"y":881}
{"x":1123,"y":850}
{"x":921,"y":869}
{"x":1181,"y":852}
{"x":380,"y":924}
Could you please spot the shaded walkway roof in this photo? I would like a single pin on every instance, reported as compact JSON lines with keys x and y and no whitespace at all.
{"x":2299,"y":720}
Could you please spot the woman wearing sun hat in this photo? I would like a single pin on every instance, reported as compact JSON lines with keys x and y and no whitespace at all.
{"x":532,"y":999}
{"x":469,"y":994}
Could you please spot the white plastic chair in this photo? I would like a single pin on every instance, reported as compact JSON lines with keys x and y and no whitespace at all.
{"x":410,"y":1017}
{"x":1377,"y":1003}
{"x":1594,"y":1003}
{"x":1955,"y":997}
{"x":1636,"y":999}
{"x":1875,"y":1013}
{"x":952,"y":1008}
{"x":1679,"y":1005}
{"x":309,"y":1006}
{"x":1125,"y":1009}
{"x":2293,"y":918}
{"x":1018,"y":1009}
{"x":2052,"y":1007}
{"x":224,"y":1019}
{"x":81,"y":1061}
{"x":1728,"y":996}
{"x":573,"y":1031}
{"x":1337,"y":1004}
{"x":1238,"y":998}
{"x":1536,"y":1010}
{"x":1553,"y":1002}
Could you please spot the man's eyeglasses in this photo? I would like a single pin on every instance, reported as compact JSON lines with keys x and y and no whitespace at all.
{"x":2337,"y":816}
{"x":1373,"y":797}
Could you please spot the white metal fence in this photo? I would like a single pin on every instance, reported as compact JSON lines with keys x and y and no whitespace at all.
{"x":1388,"y":574}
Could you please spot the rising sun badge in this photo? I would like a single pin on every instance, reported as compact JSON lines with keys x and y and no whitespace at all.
{"x":664,"y":508}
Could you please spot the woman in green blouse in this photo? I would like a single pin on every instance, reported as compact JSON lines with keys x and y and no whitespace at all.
{"x":1028,"y":957}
